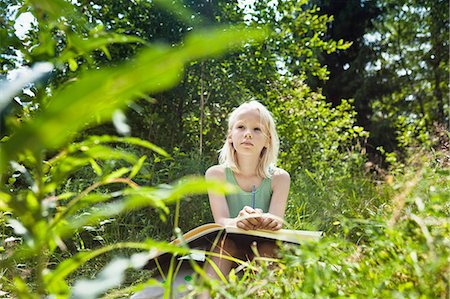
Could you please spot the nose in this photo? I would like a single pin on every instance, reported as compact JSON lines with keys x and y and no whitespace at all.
{"x":248,"y":134}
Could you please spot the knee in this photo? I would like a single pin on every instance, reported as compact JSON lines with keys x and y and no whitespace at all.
{"x":228,"y":246}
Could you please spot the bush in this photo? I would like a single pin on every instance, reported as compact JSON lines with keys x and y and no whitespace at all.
{"x":323,"y":150}
{"x":403,"y":250}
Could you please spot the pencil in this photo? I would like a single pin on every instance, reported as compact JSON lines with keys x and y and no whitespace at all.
{"x":253,"y":196}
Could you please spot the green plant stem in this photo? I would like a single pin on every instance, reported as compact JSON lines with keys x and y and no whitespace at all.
{"x":177,"y":214}
{"x":85,"y":192}
{"x":83,"y":257}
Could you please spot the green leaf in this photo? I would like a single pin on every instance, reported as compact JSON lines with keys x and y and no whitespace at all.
{"x":137,"y":167}
{"x":111,"y":276}
{"x":168,"y":194}
{"x":64,"y":164}
{"x":125,"y":140}
{"x":76,"y":204}
{"x":115,"y":174}
{"x":97,"y":94}
{"x":96,"y":167}
{"x":73,"y":65}
{"x":136,"y":198}
{"x":11,"y":88}
{"x":78,"y":46}
{"x":69,"y":159}
{"x":68,"y":266}
{"x":5,"y":198}
{"x":22,"y":290}
{"x":18,"y":227}
{"x":180,"y":10}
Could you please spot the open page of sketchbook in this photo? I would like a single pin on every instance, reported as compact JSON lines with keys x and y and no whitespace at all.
{"x":202,"y":239}
{"x":285,"y":235}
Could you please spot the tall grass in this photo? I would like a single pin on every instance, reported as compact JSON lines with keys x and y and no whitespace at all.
{"x":401,"y":249}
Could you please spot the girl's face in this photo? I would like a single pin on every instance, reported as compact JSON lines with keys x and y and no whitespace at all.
{"x":248,"y":135}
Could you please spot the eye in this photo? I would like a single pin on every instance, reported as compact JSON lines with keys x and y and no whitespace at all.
{"x":257,"y":129}
{"x":240,"y":126}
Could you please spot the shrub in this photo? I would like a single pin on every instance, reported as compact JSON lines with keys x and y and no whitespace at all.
{"x":403,"y":250}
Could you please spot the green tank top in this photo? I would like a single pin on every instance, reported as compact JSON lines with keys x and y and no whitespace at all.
{"x":237,"y":201}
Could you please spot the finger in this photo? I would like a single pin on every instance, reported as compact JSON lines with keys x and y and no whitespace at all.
{"x":243,"y":211}
{"x":244,"y":224}
{"x":268,"y":223}
{"x":257,"y":212}
{"x":241,"y":225}
{"x":246,"y":216}
{"x":249,"y":210}
{"x":259,"y":225}
{"x":278,"y":226}
{"x":251,"y":215}
{"x":254,"y":221}
{"x":272,"y":224}
{"x":265,"y":222}
{"x":247,"y":223}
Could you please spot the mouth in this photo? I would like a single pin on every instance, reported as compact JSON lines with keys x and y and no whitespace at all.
{"x":247,"y":143}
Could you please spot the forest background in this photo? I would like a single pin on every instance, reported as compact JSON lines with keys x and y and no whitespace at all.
{"x":111,"y":111}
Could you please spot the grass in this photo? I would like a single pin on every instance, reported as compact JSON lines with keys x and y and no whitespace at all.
{"x":385,"y":237}
{"x":401,"y":249}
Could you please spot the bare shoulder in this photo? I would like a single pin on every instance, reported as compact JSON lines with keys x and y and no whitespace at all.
{"x":215,"y":172}
{"x":280,"y":173}
{"x":280,"y":177}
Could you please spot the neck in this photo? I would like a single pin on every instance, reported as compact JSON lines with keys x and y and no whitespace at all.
{"x":247,"y":165}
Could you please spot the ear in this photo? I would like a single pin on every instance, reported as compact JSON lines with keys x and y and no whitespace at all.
{"x":229,"y":137}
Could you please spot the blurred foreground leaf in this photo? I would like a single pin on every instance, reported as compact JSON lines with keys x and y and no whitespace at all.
{"x":97,"y":94}
{"x":55,"y":279}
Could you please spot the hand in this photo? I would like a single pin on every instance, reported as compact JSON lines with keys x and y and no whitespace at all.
{"x":269,"y":222}
{"x":251,"y":218}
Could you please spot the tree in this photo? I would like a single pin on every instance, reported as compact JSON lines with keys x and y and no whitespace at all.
{"x":39,"y":154}
{"x":297,"y":37}
{"x":352,"y":19}
{"x":412,"y":46}
{"x":396,"y":69}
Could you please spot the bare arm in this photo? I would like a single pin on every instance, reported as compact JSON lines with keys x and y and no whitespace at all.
{"x":217,"y":201}
{"x":281,"y":182}
{"x":219,"y":207}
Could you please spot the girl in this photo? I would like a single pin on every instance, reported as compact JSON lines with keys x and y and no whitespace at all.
{"x":247,"y":160}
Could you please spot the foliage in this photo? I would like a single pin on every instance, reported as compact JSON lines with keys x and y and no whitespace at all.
{"x":352,"y":19}
{"x":316,"y":136}
{"x":402,"y":252}
{"x":38,"y":158}
{"x":210,"y":88}
{"x":323,"y":150}
{"x":417,"y":54}
{"x":74,"y":199}
{"x":396,"y":69}
{"x":420,"y":59}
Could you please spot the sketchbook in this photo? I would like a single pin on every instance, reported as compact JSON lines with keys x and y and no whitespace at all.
{"x":285,"y":235}
{"x":202,"y":236}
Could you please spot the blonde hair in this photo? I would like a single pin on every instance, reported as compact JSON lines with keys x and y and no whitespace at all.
{"x":269,"y":155}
